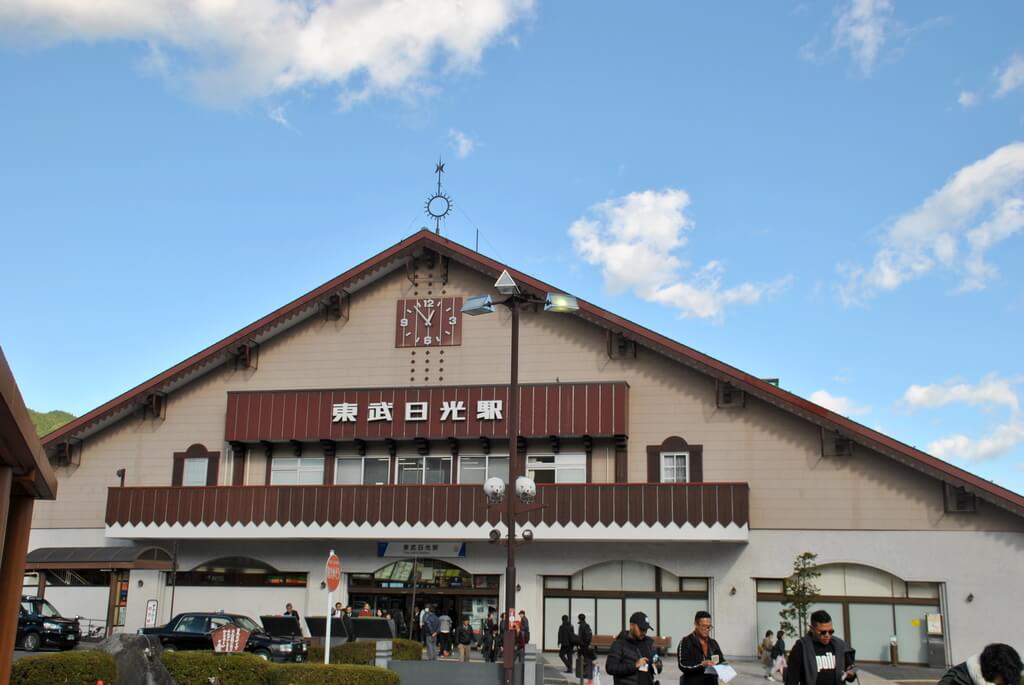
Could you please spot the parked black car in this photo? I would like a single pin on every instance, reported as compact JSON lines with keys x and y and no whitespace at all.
{"x":193,"y":631}
{"x":40,"y":624}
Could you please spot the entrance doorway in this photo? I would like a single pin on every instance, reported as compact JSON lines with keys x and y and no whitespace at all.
{"x":448,"y":588}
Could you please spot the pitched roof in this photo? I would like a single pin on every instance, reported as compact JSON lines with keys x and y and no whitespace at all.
{"x":396,"y":255}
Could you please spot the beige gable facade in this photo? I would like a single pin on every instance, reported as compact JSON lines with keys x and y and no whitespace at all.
{"x":795,"y":486}
{"x":721,"y":542}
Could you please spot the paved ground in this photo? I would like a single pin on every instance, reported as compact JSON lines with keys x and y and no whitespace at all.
{"x":748,"y":673}
{"x":908,"y":674}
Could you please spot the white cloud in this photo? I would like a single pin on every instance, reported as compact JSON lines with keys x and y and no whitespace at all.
{"x":1011,"y":76}
{"x":461,"y":143}
{"x":633,"y":238}
{"x":1003,"y":439}
{"x":229,"y":51}
{"x":840,"y":405}
{"x":861,"y":27}
{"x":982,"y":205}
{"x":967,"y":99}
{"x":276,"y":115}
{"x":990,"y":391}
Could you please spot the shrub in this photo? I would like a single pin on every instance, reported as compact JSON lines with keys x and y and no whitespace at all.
{"x":82,"y":667}
{"x":196,"y":668}
{"x":346,"y":653}
{"x":407,"y":650}
{"x":330,"y":674}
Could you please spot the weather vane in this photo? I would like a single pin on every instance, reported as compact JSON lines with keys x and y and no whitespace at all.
{"x":438,"y":205}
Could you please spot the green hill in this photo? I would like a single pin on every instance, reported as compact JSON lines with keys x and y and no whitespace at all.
{"x":49,"y":421}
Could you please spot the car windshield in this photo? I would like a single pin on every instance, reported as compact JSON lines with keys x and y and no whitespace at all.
{"x":247,"y":623}
{"x":40,"y":607}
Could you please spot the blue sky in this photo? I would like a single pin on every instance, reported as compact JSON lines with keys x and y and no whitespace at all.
{"x":828,"y":193}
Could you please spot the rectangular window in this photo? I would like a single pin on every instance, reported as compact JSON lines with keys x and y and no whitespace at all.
{"x":362,"y":470}
{"x":478,"y":468}
{"x":424,"y":470}
{"x":674,"y":467}
{"x":195,"y":471}
{"x":557,"y":468}
{"x":297,"y":471}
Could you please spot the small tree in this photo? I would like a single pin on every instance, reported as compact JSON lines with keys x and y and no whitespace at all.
{"x":800,"y":592}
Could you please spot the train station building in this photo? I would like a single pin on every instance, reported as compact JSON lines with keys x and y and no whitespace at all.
{"x":365,"y":415}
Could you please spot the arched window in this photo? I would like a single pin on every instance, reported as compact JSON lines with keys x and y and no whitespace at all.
{"x":239,"y":572}
{"x":867,"y":606}
{"x":675,"y":461}
{"x":195,"y":466}
{"x":609,"y":592}
{"x":432,"y":574}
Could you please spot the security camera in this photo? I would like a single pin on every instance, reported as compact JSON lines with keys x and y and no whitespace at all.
{"x":526,"y":489}
{"x":494,"y":488}
{"x":494,"y":535}
{"x":528,"y":535}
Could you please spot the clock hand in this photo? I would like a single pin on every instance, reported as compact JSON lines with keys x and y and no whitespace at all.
{"x":431,"y":317}
{"x":420,"y":313}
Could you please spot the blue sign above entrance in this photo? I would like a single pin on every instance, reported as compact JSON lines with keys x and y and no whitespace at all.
{"x":437,"y":550}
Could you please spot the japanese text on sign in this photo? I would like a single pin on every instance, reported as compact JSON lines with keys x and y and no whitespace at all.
{"x":450,"y":410}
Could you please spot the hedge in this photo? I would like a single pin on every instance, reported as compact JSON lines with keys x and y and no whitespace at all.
{"x":330,"y":674}
{"x":80,"y":667}
{"x":407,"y":650}
{"x":347,"y":653}
{"x":196,"y":668}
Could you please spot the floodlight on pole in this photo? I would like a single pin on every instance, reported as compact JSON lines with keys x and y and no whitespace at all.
{"x":560,"y":303}
{"x":505,"y":285}
{"x":475,"y":305}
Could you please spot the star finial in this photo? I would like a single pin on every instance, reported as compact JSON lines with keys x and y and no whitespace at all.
{"x":440,"y":168}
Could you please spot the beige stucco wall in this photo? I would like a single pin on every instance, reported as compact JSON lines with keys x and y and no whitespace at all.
{"x":777,"y":453}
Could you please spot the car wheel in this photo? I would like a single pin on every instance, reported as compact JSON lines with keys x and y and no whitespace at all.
{"x":31,"y":642}
{"x":263,"y":654}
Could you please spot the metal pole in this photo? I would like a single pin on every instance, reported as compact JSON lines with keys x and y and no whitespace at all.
{"x":412,"y":610}
{"x":514,"y":471}
{"x":174,"y":576}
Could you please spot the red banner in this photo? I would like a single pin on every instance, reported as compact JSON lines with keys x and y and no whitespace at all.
{"x":562,"y":409}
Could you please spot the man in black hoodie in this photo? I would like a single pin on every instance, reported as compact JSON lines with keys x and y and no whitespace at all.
{"x":819,"y":658}
{"x":566,"y":640}
{"x":998,"y":664}
{"x":633,"y":658}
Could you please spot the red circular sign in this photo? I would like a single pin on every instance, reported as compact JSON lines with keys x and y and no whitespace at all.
{"x":333,"y":572}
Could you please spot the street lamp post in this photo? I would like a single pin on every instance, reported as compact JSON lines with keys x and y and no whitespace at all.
{"x":482,"y":304}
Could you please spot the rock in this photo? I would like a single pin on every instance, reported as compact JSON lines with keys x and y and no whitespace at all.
{"x":137,"y":658}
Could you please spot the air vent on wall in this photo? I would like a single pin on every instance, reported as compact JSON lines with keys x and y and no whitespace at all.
{"x":729,"y":396}
{"x":620,"y":347}
{"x":835,"y":445}
{"x":958,"y":500}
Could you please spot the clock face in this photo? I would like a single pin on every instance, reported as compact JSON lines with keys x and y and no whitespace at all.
{"x":429,"y":322}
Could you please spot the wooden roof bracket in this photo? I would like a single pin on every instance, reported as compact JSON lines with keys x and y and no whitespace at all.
{"x":247,"y":355}
{"x":336,"y":306}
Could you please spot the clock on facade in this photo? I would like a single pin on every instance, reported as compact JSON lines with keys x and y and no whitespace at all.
{"x":429,"y":322}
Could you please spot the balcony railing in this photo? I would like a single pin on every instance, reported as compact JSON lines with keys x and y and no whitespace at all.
{"x":567,"y":506}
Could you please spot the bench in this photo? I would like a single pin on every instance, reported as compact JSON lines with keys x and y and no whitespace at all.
{"x":601,"y":643}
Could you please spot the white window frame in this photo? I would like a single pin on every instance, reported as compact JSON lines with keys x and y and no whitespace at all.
{"x":423,"y":468}
{"x":675,"y":456}
{"x":362,"y":468}
{"x":274,"y":469}
{"x":561,"y":464}
{"x":487,"y":464}
{"x":200,"y":476}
